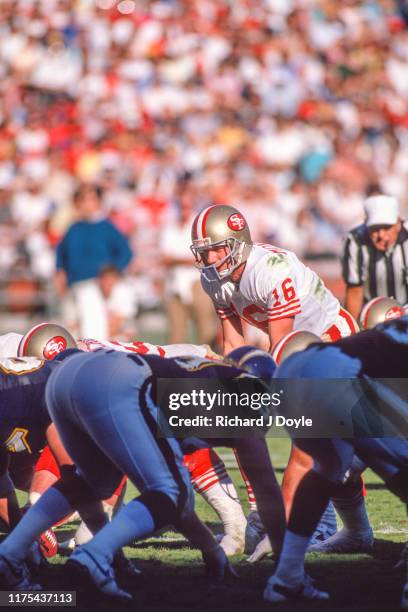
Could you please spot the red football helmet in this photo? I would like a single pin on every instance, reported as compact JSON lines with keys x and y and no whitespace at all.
{"x":45,"y":341}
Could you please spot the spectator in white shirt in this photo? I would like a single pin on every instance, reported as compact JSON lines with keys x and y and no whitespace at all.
{"x":120,"y":303}
{"x":185,"y":299}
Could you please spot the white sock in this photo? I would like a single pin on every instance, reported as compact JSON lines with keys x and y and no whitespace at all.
{"x":223,"y":498}
{"x":292,"y":560}
{"x":83,"y":533}
{"x":33,"y":497}
{"x":353,"y":513}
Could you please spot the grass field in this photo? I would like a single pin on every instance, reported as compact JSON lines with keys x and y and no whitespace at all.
{"x":173,"y":578}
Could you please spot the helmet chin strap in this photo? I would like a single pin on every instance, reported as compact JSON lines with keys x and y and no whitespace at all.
{"x":212,"y":273}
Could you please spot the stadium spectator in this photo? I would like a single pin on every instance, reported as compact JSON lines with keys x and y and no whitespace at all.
{"x":185,"y":298}
{"x":135,"y":99}
{"x":88,"y":245}
{"x":375,"y":260}
{"x":120,"y":303}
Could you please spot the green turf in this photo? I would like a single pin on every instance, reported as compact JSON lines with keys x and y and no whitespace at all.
{"x":173,"y":576}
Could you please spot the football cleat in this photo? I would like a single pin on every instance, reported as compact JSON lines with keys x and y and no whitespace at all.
{"x":345,"y":542}
{"x":16,"y":577}
{"x":86,"y":570}
{"x":263,"y":548}
{"x":254,"y":533}
{"x":277,"y":591}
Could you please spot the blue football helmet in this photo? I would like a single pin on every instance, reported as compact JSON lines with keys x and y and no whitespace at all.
{"x":255,"y":361}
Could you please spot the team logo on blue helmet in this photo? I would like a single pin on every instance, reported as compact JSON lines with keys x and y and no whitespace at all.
{"x":254,"y":360}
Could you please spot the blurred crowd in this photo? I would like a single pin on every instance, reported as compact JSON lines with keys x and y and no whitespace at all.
{"x":292,"y":110}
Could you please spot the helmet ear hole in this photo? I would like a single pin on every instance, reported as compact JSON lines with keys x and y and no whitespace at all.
{"x":45,"y":341}
{"x":378,"y":310}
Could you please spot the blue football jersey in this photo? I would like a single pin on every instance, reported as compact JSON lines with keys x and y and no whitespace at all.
{"x":189,"y":367}
{"x":382,"y":351}
{"x":23,"y":413}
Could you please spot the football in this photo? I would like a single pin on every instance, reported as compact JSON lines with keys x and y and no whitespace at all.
{"x":48,"y":543}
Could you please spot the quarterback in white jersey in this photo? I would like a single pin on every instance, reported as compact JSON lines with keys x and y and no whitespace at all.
{"x":268,"y":288}
{"x":265,"y":286}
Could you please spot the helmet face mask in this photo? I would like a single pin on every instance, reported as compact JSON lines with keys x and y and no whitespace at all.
{"x":220,"y":228}
{"x":214,"y":272}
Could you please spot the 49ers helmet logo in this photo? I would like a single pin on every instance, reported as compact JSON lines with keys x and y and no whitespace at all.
{"x":54,"y":346}
{"x":236,"y":222}
{"x":394,"y":313}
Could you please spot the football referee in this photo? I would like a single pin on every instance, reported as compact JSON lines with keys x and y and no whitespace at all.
{"x":375,"y":258}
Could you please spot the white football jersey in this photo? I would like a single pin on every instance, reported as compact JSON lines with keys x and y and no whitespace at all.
{"x":145,"y":348}
{"x":273,"y":286}
{"x":9,"y":344}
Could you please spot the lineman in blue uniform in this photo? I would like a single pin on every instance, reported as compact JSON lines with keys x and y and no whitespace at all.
{"x":25,"y":424}
{"x":381,"y":353}
{"x":103,"y":405}
{"x":25,"y":428}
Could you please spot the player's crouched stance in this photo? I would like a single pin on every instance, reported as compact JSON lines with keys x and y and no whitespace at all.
{"x":380,"y":353}
{"x":101,"y":405}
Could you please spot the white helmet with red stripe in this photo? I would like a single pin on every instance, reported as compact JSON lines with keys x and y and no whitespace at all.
{"x":220,"y":226}
{"x":45,"y":341}
{"x":378,"y":310}
{"x":292,"y":343}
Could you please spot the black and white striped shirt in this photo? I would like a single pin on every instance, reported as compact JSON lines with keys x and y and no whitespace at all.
{"x":381,"y":274}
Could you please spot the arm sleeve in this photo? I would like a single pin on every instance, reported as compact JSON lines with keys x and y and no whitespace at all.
{"x":352,"y":262}
{"x":222,"y":307}
{"x":254,"y":458}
